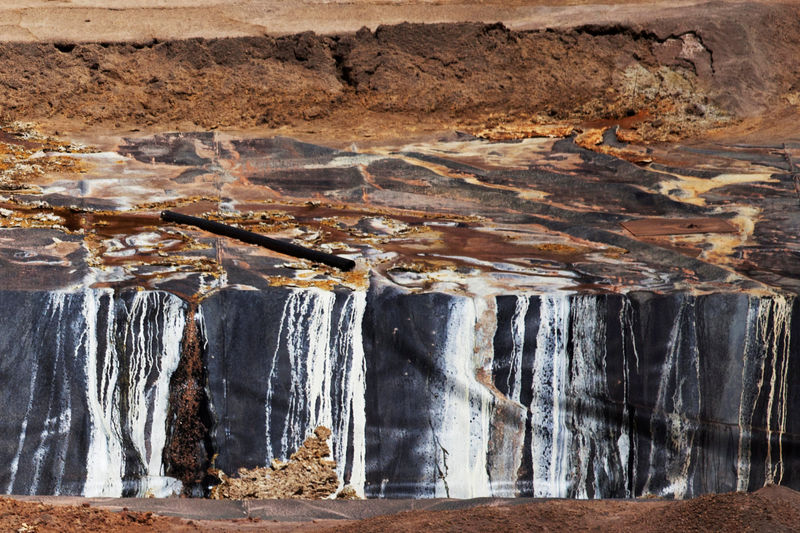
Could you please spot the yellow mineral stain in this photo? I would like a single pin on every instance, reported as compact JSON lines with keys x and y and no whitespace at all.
{"x":718,"y":248}
{"x":512,"y":132}
{"x":525,"y":194}
{"x":484,"y":155}
{"x":532,"y":194}
{"x":590,"y":138}
{"x":691,"y":188}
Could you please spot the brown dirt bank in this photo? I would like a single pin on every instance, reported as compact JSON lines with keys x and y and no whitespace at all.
{"x":682,"y":73}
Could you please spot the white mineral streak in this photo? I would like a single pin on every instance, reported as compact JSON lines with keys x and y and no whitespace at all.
{"x":54,"y":437}
{"x":518,"y":347}
{"x":461,"y":421}
{"x":481,"y":399}
{"x":548,"y":442}
{"x":749,"y":395}
{"x":105,"y":466}
{"x":151,"y":337}
{"x":306,"y":328}
{"x":56,"y":303}
{"x":150,"y":401}
{"x":352,"y":402}
{"x":271,"y":453}
{"x":315,"y":400}
{"x":626,"y":443}
{"x":328,"y":378}
{"x":508,"y":439}
{"x":767,"y":343}
{"x":676,"y":407}
{"x":570,"y":433}
{"x":592,"y":458}
{"x":777,"y":341}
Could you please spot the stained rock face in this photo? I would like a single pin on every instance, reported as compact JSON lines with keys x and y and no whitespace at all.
{"x":588,"y":396}
{"x":426,"y":394}
{"x":86,"y":383}
{"x":284,"y":361}
{"x":533,"y":346}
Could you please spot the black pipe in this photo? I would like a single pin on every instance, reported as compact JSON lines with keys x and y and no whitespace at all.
{"x":275,"y":245}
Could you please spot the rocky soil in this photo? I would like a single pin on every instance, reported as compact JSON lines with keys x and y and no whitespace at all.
{"x":24,"y":517}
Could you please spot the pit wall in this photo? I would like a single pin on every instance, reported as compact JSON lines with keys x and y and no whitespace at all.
{"x":427,"y":395}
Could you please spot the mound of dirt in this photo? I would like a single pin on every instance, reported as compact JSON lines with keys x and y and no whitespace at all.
{"x":308,"y":474}
{"x":683,"y":72}
{"x":29,"y":517}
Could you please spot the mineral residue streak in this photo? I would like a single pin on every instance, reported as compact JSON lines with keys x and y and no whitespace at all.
{"x":121,"y":351}
{"x":765,"y":370}
{"x":568,"y":441}
{"x":128,"y":373}
{"x":323,"y":344}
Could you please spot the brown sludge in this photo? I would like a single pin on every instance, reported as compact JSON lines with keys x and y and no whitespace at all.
{"x":187,"y":448}
{"x":308,"y":474}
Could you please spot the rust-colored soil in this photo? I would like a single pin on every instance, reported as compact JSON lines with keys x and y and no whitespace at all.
{"x":772,"y":509}
{"x":432,"y":75}
{"x":680,"y":74}
{"x":24,"y":517}
{"x":187,"y":450}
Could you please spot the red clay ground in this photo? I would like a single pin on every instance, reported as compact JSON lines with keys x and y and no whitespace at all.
{"x":772,"y":509}
{"x":769,"y":509}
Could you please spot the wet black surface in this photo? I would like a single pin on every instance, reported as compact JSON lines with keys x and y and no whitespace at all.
{"x":662,"y":360}
{"x":569,"y":194}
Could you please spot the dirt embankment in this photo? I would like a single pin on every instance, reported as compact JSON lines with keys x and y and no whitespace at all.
{"x":680,"y":75}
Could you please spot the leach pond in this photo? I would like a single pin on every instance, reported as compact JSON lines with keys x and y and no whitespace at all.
{"x":526,"y":317}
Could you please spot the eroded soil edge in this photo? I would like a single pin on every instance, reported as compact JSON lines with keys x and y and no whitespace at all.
{"x":678,"y":76}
